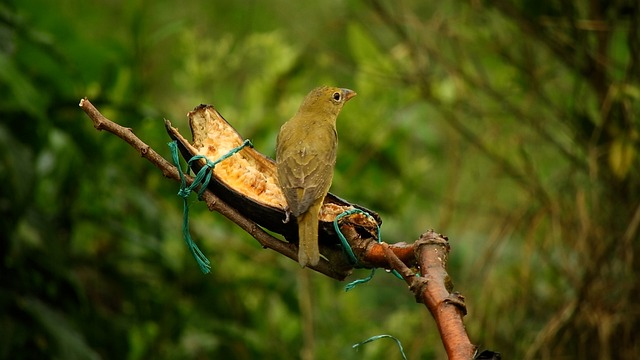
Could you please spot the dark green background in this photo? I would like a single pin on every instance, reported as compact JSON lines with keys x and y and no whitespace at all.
{"x":510,"y":126}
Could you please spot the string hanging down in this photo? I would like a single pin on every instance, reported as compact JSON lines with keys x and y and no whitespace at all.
{"x":202,"y":179}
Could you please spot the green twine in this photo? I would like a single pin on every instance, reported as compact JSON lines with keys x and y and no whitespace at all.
{"x":357,"y":282}
{"x":202,"y":179}
{"x":345,"y":244}
{"x":347,"y":248}
{"x":373,"y":338}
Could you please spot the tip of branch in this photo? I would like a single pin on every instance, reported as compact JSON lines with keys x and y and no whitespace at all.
{"x":82,"y":101}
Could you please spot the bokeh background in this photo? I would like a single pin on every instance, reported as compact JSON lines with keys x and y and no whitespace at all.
{"x":511,"y":126}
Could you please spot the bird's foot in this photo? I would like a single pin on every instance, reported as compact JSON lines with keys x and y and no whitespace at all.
{"x":287,"y":216}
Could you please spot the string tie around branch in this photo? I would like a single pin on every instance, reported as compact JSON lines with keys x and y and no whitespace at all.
{"x":201,"y":180}
{"x":353,"y":260}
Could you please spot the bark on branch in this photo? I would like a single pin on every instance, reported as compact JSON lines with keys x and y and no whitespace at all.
{"x":432,"y":287}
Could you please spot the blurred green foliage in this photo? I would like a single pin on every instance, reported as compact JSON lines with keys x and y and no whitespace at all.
{"x":510,"y":126}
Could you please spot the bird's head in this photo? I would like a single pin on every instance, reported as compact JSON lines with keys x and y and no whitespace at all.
{"x":326,"y":99}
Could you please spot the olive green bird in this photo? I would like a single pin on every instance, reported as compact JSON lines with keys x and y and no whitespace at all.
{"x":305,"y":157}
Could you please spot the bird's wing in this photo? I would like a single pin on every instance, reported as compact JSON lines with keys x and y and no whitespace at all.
{"x":296,"y":184}
{"x":310,"y":170}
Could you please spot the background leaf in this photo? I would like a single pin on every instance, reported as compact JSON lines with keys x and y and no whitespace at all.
{"x":511,"y":127}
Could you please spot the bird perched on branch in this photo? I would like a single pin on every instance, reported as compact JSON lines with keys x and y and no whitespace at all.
{"x":305,"y":157}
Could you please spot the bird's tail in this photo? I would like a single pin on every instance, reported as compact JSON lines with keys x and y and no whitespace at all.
{"x":308,"y":251}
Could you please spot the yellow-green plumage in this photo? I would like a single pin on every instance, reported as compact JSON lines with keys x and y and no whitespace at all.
{"x":305,"y":158}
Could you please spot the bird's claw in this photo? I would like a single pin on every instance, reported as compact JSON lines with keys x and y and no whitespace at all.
{"x":287,"y":216}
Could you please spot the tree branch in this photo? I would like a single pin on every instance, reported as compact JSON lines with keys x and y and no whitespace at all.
{"x":213,"y":202}
{"x":432,"y":288}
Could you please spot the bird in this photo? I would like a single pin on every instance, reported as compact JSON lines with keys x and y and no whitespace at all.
{"x":306,"y":149}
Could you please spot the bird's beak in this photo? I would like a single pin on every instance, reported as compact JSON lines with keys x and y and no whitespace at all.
{"x":348,"y":94}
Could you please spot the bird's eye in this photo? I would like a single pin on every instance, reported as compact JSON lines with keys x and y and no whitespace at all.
{"x":336,"y":96}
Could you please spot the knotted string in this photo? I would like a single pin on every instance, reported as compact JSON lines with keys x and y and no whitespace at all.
{"x":353,"y":260}
{"x":202,"y":179}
